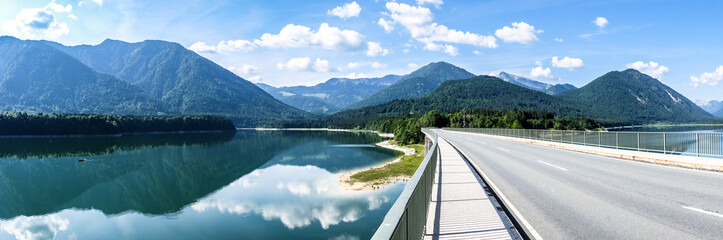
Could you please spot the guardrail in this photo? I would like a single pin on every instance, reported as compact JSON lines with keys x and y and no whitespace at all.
{"x":697,"y":144}
{"x":408,"y":216}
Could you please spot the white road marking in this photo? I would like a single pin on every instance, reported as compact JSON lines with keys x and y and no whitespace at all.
{"x":561,"y":168}
{"x":703,"y":211}
{"x":503,"y":149}
{"x":482,"y":142}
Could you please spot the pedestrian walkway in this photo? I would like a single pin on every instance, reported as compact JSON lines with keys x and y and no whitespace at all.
{"x":461,"y":207}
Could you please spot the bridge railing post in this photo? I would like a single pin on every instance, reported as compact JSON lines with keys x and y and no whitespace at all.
{"x":697,"y":144}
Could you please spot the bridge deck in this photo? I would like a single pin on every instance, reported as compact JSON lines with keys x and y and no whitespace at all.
{"x":461,"y":208}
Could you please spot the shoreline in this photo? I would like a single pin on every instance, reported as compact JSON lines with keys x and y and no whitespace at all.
{"x":114,"y":135}
{"x":383,"y":135}
{"x":343,"y":178}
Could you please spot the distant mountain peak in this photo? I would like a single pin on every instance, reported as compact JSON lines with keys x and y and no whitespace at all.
{"x":418,"y":83}
{"x":535,"y":85}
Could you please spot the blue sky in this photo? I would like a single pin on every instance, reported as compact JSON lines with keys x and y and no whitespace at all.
{"x":284,"y":43}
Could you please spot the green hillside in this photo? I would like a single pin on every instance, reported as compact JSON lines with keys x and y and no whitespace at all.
{"x":478,"y":92}
{"x":184,"y":81}
{"x":418,"y":83}
{"x":35,"y":77}
{"x":631,"y":96}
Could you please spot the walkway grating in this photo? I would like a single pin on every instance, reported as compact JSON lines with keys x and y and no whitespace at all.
{"x":461,"y":208}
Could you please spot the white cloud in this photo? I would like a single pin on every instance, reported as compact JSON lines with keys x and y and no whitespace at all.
{"x":295,"y":64}
{"x":520,"y":32}
{"x":375,"y":49}
{"x":348,"y":10}
{"x":413,"y":65}
{"x":35,"y":23}
{"x":292,"y":36}
{"x":99,"y":2}
{"x":652,"y":69}
{"x":436,"y":3}
{"x":406,"y":50}
{"x":387,"y":25}
{"x":200,"y":47}
{"x":305,"y":64}
{"x":451,"y":50}
{"x":559,"y":40}
{"x":35,"y":227}
{"x":322,"y":65}
{"x":541,"y":72}
{"x":60,"y":8}
{"x":707,"y":78}
{"x":235,"y":45}
{"x":223,"y":46}
{"x":418,"y":21}
{"x":377,"y":65}
{"x":296,"y":36}
{"x":601,"y":22}
{"x":567,"y":62}
{"x":475,"y":52}
{"x":248,"y":72}
{"x":354,"y":65}
{"x":354,"y":75}
{"x":80,"y":4}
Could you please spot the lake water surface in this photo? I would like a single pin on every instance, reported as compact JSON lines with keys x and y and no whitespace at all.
{"x":247,"y":185}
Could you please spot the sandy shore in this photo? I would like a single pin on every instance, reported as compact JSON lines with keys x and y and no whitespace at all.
{"x":368,"y":186}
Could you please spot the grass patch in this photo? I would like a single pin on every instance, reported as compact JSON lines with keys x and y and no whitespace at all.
{"x":404,"y":168}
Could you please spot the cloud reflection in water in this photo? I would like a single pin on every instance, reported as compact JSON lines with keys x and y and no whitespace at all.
{"x":295,"y":195}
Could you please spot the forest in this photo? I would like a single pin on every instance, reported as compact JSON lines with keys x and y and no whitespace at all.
{"x":407,"y":129}
{"x":95,"y":124}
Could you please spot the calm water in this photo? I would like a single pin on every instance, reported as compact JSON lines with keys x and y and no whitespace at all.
{"x":684,"y":129}
{"x":248,"y":185}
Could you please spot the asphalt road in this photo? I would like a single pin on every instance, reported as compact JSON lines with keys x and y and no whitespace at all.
{"x":572,"y":195}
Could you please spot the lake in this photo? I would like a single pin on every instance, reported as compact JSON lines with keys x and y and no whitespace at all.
{"x":675,"y":128}
{"x":244,"y":185}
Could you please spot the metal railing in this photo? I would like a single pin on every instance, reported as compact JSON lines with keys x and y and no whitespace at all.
{"x":696,"y":144}
{"x":408,"y":216}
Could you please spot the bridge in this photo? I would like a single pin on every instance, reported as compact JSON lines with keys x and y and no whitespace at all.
{"x":540,"y":189}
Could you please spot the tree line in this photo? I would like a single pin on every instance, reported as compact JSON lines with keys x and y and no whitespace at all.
{"x":407,"y":129}
{"x":96,"y":124}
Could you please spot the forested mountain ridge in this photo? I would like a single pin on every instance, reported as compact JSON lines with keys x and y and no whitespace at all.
{"x":35,"y":77}
{"x":183,"y":80}
{"x":477,"y":92}
{"x":719,"y":113}
{"x":331,"y":95}
{"x":631,"y":96}
{"x":418,"y":83}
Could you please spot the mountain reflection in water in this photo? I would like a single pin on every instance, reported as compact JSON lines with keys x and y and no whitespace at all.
{"x":266,"y":184}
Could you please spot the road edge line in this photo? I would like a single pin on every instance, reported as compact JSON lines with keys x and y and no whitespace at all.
{"x":506,"y":204}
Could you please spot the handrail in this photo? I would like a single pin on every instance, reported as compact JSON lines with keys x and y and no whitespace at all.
{"x":408,"y":216}
{"x":695,"y":144}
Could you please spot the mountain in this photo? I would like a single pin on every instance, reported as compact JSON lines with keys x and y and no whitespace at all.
{"x":535,"y":85}
{"x":183,"y":80}
{"x":633,"y":97}
{"x":336,"y":93}
{"x":418,"y":83}
{"x":35,"y":77}
{"x":719,"y":113}
{"x":711,"y":107}
{"x":307,"y":103}
{"x":477,"y":92}
{"x":559,"y":88}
